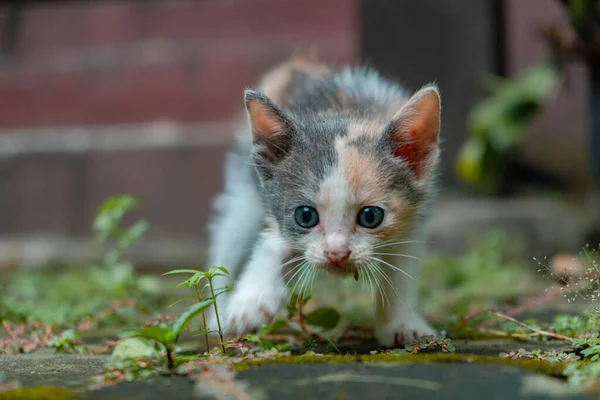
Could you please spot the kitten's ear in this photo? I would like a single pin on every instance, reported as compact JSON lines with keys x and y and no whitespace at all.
{"x":413,"y":132}
{"x":271,"y":129}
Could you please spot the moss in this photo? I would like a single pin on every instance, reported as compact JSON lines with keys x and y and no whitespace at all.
{"x":40,"y":393}
{"x":545,"y":367}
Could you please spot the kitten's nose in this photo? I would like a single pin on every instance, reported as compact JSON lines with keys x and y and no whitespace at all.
{"x":338,"y":255}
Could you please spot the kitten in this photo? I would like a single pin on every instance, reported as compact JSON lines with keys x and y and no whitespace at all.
{"x":333,"y":172}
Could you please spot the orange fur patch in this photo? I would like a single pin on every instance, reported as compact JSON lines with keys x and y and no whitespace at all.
{"x":277,"y":81}
{"x":360,"y":173}
{"x":366,"y":187}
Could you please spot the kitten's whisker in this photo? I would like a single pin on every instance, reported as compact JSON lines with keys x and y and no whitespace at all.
{"x":307,"y":281}
{"x":388,"y":244}
{"x":312,"y":280}
{"x":397,"y":254}
{"x":378,"y":275}
{"x":375,"y":289}
{"x":301,"y":268}
{"x":389,"y":282}
{"x":391,"y":266}
{"x":302,"y":279}
{"x":291,"y":261}
{"x":368,"y":284}
{"x":294,"y":268}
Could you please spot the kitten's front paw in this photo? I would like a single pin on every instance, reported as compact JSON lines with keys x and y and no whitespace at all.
{"x":249,"y":309}
{"x":402,"y":331}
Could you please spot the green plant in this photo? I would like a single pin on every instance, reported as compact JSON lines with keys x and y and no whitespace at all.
{"x":65,"y":297}
{"x":167,"y":334}
{"x":570,"y":325}
{"x":67,"y":341}
{"x":585,"y":374}
{"x":107,"y":225}
{"x":497,"y":126}
{"x":194,"y":281}
{"x":458,"y":284}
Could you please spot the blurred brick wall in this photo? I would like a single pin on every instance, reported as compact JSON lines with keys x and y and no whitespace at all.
{"x":79,"y":66}
{"x":130,"y":61}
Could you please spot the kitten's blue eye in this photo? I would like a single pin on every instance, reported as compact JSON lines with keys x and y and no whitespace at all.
{"x":306,"y":217}
{"x":370,"y":217}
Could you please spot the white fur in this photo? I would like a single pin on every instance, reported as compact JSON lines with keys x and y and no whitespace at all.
{"x":239,"y":218}
{"x":260,"y":290}
{"x":399,"y":321}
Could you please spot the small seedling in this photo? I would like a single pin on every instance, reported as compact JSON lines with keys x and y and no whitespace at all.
{"x":66,"y":341}
{"x":107,"y":224}
{"x":167,"y":334}
{"x":194,"y":281}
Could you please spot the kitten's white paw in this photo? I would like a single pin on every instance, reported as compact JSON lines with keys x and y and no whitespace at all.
{"x":248,"y":309}
{"x":402,"y":331}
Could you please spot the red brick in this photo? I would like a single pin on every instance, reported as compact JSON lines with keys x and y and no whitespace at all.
{"x":174,"y":186}
{"x":43,"y":193}
{"x":206,"y":85}
{"x":79,"y":24}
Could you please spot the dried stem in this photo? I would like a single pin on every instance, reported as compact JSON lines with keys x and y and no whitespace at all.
{"x":534,"y":329}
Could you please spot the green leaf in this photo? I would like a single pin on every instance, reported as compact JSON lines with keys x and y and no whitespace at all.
{"x":324,"y":317}
{"x":161,"y":334}
{"x":134,"y":348}
{"x":222,"y":291}
{"x":112,"y":257}
{"x":187,"y":316}
{"x":180,"y":300}
{"x":110,"y":212}
{"x":183,"y":271}
{"x":132,"y":234}
{"x":224,"y":270}
{"x":193,"y":280}
{"x":275,"y":325}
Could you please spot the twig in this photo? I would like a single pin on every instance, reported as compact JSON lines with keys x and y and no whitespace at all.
{"x":507,"y":334}
{"x":474,"y":313}
{"x":534,"y":329}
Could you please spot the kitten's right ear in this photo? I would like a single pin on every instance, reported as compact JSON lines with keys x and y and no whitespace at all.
{"x":271,"y":129}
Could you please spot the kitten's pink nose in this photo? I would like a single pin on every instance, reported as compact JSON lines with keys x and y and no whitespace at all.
{"x":338,"y":255}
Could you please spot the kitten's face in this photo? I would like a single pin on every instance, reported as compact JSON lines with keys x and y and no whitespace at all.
{"x":338,"y":190}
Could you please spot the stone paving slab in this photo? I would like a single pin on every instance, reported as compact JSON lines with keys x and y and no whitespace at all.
{"x":322,"y":381}
{"x":51,"y":369}
{"x":368,"y":381}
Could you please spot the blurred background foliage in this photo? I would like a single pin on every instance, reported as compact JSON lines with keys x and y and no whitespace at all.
{"x":498,"y":125}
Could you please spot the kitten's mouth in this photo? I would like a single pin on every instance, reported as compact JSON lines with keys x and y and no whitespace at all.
{"x":342,"y":269}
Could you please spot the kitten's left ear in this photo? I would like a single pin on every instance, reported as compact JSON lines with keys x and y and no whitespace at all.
{"x":413,"y":132}
{"x":271,"y":129}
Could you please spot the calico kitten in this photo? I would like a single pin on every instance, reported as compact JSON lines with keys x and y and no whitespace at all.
{"x":333,"y":172}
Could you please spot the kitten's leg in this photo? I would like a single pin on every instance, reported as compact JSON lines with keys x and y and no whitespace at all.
{"x":261,"y":290}
{"x":238,"y":216}
{"x":398,"y":320}
{"x":236,"y":224}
